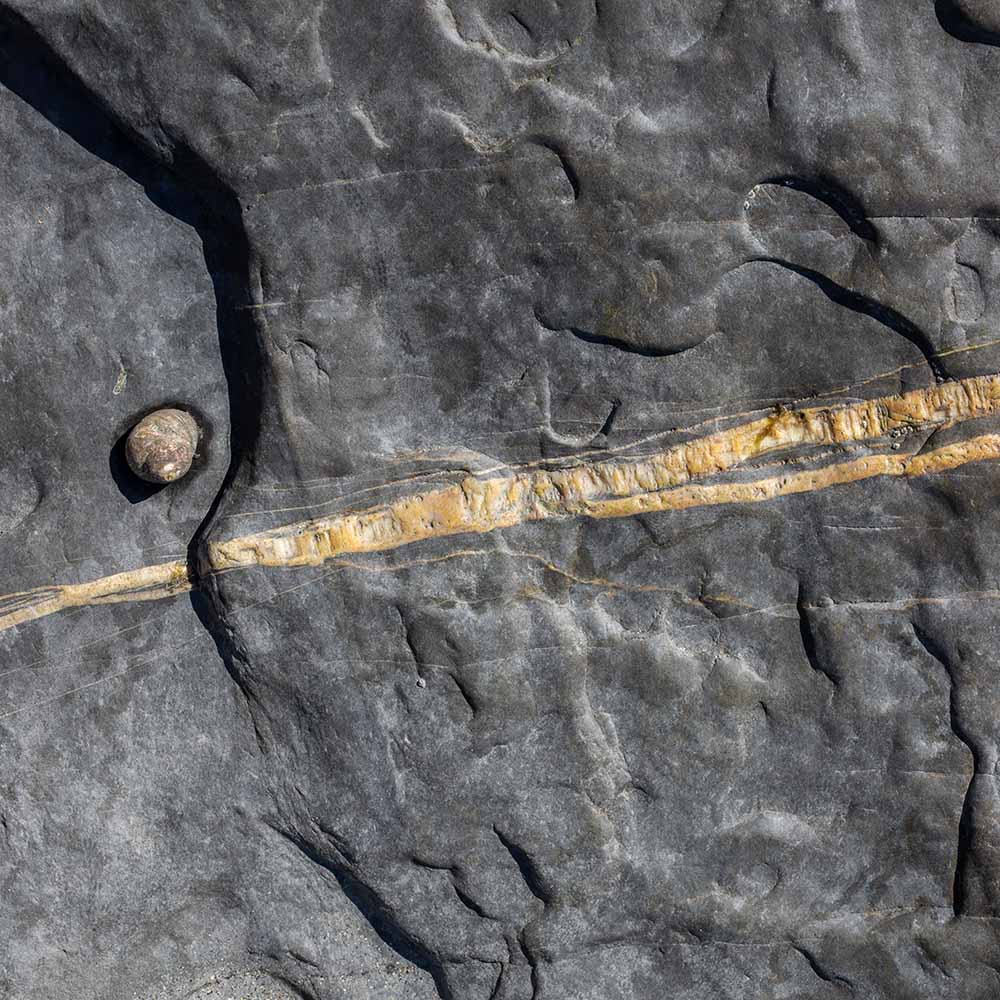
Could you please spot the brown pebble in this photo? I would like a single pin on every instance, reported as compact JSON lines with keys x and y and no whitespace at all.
{"x":162,"y":446}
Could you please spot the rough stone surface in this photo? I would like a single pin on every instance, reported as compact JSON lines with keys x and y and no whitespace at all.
{"x":728,"y":752}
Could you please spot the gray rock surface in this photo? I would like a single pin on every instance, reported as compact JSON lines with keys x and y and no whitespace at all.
{"x":733,"y":751}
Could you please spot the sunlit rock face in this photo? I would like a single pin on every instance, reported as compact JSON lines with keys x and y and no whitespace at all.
{"x":425,"y":680}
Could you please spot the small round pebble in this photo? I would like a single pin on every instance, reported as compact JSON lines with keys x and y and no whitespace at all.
{"x":162,"y":446}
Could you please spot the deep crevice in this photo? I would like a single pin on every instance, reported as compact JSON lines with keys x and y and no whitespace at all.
{"x":556,"y":148}
{"x":233,"y":656}
{"x":959,"y":25}
{"x":770,"y":87}
{"x":622,"y":345}
{"x":408,"y":639}
{"x":339,"y":843}
{"x":820,"y":972}
{"x":463,"y":897}
{"x":616,"y":342}
{"x":832,"y":194}
{"x":526,"y":866}
{"x":376,"y":913}
{"x":609,"y":420}
{"x":467,"y":901}
{"x":463,"y":690}
{"x":856,"y":302}
{"x":495,"y":992}
{"x":532,"y":960}
{"x":810,"y":645}
{"x":966,"y":826}
{"x":521,"y":23}
{"x":187,"y":189}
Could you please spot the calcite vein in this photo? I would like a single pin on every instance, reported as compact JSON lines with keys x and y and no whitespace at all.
{"x":624,"y":487}
{"x":149,"y":583}
{"x":672,"y":479}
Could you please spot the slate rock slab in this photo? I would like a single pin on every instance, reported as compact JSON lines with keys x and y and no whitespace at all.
{"x":739,"y":749}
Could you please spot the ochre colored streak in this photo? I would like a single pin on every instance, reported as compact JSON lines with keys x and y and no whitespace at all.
{"x":619,"y":488}
{"x":672,"y":479}
{"x":151,"y":583}
{"x":976,"y":449}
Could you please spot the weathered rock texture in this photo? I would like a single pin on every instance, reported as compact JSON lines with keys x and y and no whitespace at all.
{"x":742,"y":746}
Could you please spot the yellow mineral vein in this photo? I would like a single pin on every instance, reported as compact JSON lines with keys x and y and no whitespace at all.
{"x":977,"y":449}
{"x":617,"y":487}
{"x":150,"y":583}
{"x":672,"y":479}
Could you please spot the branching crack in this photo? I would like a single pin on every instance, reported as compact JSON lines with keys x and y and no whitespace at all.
{"x":856,"y":302}
{"x":375,"y":910}
{"x":820,"y":972}
{"x":810,"y":645}
{"x":526,"y":866}
{"x":963,"y":850}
